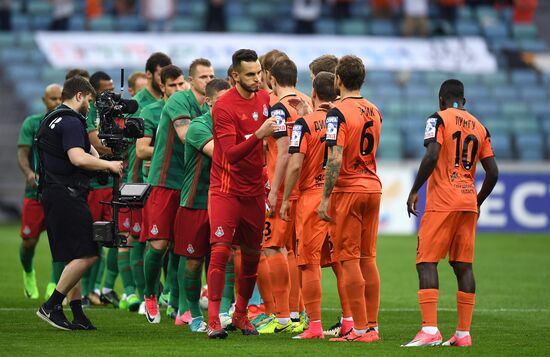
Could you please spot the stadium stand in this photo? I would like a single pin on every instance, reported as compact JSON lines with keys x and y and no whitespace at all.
{"x":510,"y":101}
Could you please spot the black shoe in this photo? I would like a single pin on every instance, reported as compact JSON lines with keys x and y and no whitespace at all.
{"x":218,"y":333}
{"x":82,"y":325}
{"x":54,"y":317}
{"x":111,"y":298}
{"x":86,"y":302}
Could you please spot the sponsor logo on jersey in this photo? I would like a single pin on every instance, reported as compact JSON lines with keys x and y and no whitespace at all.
{"x":219,"y":232}
{"x":280,"y":119}
{"x":296,"y":134}
{"x":431,"y":124}
{"x":332,"y":127}
{"x":154,"y":230}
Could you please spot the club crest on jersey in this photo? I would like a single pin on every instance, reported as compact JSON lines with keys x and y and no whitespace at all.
{"x":431,"y":124}
{"x":190,"y":249}
{"x":255,"y":116}
{"x":296,"y":134}
{"x":27,"y":230}
{"x":265,"y":111}
{"x":137,"y":227}
{"x":126,"y":223}
{"x":219,"y":232}
{"x":154,"y":230}
{"x":332,"y":128}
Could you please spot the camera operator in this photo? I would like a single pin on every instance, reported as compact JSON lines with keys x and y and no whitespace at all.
{"x":67,"y":160}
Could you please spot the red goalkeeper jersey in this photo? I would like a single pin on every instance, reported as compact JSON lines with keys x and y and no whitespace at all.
{"x":238,"y":158}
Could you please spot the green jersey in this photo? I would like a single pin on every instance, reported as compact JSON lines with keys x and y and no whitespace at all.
{"x":196,"y":177}
{"x":92,"y":123}
{"x":151,"y":118}
{"x":167,"y":162}
{"x":134,"y":168}
{"x":28,"y":131}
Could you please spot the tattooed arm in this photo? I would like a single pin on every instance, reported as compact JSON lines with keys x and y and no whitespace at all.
{"x":332,"y":172}
{"x":181,"y":125}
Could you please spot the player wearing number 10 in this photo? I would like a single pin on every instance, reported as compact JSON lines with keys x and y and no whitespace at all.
{"x":353,"y":131}
{"x":455,"y":141}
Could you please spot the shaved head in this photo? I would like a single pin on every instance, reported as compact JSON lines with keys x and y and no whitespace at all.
{"x":52,"y":96}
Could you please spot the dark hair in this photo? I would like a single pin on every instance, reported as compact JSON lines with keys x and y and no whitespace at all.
{"x":323,"y":83}
{"x":324,"y":63}
{"x":97,"y":77}
{"x":451,"y":89}
{"x":243,"y":55}
{"x":133,"y":78}
{"x":229,"y":71}
{"x":74,"y":85}
{"x":216,"y":85}
{"x":351,"y":71}
{"x":77,"y":72}
{"x":155,"y":60}
{"x":269,"y":59}
{"x":198,"y":62}
{"x":285,"y":72}
{"x":170,"y":72}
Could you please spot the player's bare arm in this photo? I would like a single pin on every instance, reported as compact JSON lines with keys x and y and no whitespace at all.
{"x":144,"y":149}
{"x":292,"y":174}
{"x":23,"y":152}
{"x":208,"y":148}
{"x":267,"y":128}
{"x":426,"y":168}
{"x":280,"y":168}
{"x":491,"y":177}
{"x":332,"y":171}
{"x":181,"y":126}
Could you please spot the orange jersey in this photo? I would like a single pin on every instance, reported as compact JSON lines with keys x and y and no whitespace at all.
{"x":308,"y":138}
{"x":273,"y":99}
{"x":464,"y":141}
{"x":285,"y":115}
{"x":355,"y":124}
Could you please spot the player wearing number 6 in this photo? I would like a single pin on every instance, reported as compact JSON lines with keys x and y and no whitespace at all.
{"x":455,"y":141}
{"x":352,"y":135}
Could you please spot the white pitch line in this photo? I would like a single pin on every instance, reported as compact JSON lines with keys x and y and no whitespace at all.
{"x":517,"y":310}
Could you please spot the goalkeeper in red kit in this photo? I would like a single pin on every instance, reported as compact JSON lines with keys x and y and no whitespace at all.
{"x":237,"y":204}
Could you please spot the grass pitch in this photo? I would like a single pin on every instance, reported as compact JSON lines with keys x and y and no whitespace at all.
{"x":511,"y":317}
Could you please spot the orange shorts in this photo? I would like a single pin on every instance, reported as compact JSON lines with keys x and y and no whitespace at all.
{"x":355,"y":224}
{"x":443,"y":233}
{"x":279,"y":233}
{"x":312,"y":238}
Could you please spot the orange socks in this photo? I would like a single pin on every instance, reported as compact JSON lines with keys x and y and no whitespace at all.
{"x":346,"y":309}
{"x":427,"y":298}
{"x":264,"y":286}
{"x":465,"y":307}
{"x":372,"y":289}
{"x":280,"y":283}
{"x":311,"y":290}
{"x":355,"y":289}
{"x":294,"y":299}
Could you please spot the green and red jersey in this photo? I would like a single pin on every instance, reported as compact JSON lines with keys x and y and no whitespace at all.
{"x":196,"y":170}
{"x":134,"y":169}
{"x":28,"y":131}
{"x":168,"y":155}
